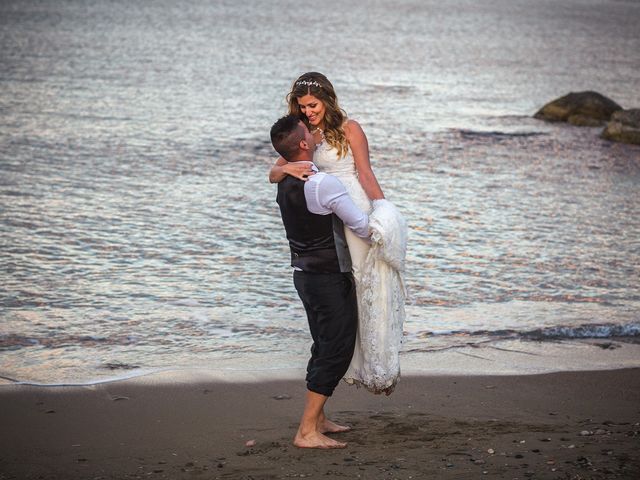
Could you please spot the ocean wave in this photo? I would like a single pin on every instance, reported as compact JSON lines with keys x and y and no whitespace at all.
{"x":593,"y":330}
{"x":14,"y":341}
{"x":605,"y":330}
{"x":495,"y":134}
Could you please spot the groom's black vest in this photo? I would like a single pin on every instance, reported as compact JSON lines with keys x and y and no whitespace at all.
{"x":317,"y":242}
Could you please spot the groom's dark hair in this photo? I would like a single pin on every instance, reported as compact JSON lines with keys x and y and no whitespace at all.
{"x":286,"y":135}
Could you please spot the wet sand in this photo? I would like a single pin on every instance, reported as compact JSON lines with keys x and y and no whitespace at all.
{"x":568,"y":425}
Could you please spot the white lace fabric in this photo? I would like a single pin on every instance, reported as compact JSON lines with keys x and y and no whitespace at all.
{"x":326,"y":159}
{"x":381,"y":294}
{"x":379,"y":271}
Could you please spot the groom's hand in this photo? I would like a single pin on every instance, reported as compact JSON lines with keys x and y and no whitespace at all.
{"x":300,"y":170}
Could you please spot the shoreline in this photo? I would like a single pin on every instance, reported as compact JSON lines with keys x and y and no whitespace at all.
{"x":495,"y":358}
{"x":581,"y":424}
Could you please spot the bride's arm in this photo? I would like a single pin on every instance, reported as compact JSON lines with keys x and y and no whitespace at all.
{"x":360,"y":150}
{"x":282,"y":168}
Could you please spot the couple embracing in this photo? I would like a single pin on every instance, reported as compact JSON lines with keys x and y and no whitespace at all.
{"x":348,"y":247}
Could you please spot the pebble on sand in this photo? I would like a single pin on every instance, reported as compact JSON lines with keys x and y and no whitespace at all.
{"x":283,"y":396}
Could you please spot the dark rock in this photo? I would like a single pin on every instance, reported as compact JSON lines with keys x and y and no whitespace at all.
{"x":584,"y":109}
{"x":624,"y":126}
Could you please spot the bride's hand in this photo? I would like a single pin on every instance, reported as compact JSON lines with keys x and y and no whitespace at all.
{"x":300,"y":170}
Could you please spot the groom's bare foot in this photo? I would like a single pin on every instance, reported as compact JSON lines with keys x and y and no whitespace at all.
{"x":327,"y":426}
{"x":316,"y":439}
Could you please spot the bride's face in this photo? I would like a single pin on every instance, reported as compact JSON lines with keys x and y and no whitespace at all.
{"x":313,"y":108}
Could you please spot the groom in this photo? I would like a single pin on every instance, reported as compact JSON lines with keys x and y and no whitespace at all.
{"x":314,"y":214}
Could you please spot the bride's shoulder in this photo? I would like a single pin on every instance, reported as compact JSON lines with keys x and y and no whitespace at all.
{"x":349,"y":124}
{"x":352,"y":130}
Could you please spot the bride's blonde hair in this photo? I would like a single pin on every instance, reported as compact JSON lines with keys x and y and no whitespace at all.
{"x":316,"y":84}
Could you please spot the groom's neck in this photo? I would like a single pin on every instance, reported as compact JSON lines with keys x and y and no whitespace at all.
{"x":302,"y":157}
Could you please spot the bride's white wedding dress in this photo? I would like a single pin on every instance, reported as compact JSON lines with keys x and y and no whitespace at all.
{"x":378,"y":269}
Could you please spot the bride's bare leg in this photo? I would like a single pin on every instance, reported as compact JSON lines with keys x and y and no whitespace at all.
{"x":308,"y":434}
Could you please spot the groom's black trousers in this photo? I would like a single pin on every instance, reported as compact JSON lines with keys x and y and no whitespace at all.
{"x":332,"y":311}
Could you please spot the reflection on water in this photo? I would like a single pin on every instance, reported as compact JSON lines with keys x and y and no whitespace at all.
{"x":138,"y":229}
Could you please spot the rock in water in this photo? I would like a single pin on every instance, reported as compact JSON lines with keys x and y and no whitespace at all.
{"x":624,"y":126}
{"x":584,"y":109}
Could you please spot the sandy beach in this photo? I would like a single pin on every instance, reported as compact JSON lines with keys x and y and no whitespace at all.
{"x":567,"y":425}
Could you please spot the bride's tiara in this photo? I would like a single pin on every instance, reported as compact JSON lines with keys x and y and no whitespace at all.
{"x":308,"y":83}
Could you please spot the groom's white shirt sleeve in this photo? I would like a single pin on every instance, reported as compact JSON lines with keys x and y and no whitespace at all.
{"x":326,"y":194}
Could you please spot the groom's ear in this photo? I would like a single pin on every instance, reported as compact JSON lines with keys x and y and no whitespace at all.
{"x":304,"y":145}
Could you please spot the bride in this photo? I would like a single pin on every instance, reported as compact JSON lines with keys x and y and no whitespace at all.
{"x":342,"y":150}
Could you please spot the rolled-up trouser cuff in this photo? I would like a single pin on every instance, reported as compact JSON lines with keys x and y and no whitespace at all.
{"x":326,"y":391}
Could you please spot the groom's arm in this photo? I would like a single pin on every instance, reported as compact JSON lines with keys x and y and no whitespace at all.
{"x":326,"y":194}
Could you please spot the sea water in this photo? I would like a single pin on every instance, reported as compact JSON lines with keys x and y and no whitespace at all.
{"x":138,"y":230}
